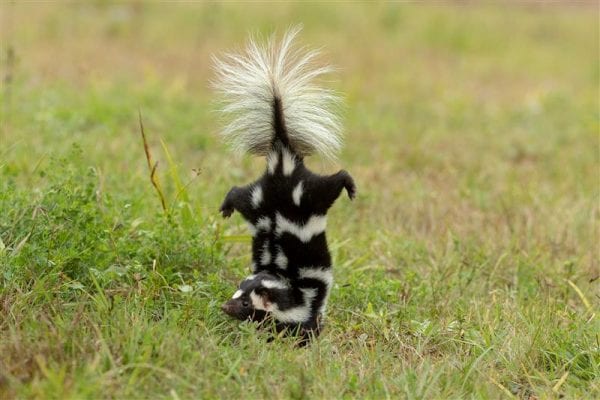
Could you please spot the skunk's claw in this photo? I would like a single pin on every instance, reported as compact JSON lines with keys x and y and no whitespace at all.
{"x":350,"y":187}
{"x":226,"y":211}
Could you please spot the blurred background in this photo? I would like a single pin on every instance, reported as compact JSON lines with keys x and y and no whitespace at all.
{"x":456,"y":113}
{"x":467,"y":266}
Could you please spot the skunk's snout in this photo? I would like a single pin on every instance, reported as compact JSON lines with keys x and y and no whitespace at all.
{"x":228,"y":308}
{"x":234,"y":309}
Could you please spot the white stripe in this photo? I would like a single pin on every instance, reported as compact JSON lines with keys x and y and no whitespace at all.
{"x":271,"y":284}
{"x":272,"y":161}
{"x":297,"y":193}
{"x":296,"y":314}
{"x":265,"y":256}
{"x":257,"y":196}
{"x":281,"y":260}
{"x":237,"y":294}
{"x":264,"y":223}
{"x":258,"y":302}
{"x":324,"y":275}
{"x":289,"y":162}
{"x":315,"y":225}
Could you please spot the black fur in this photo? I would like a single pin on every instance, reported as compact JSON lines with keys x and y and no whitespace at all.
{"x":270,"y":217}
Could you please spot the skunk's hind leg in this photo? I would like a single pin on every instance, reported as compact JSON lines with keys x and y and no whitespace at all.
{"x":348,"y":183}
{"x":327,"y":189}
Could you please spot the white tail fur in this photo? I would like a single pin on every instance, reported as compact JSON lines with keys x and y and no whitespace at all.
{"x":248,"y":83}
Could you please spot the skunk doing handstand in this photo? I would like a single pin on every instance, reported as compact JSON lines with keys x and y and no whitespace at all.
{"x":276,"y":111}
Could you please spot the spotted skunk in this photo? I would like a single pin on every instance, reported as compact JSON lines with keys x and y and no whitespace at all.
{"x":276,"y":111}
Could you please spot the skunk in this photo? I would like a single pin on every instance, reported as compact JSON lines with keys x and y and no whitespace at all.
{"x":276,"y":111}
{"x":263,"y":296}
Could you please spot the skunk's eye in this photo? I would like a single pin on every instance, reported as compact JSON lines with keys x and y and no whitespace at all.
{"x":245,"y":303}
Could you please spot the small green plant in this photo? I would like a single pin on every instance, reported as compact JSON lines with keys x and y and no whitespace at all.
{"x":73,"y":230}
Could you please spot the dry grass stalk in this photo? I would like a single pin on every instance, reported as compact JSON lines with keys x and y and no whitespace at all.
{"x":152,"y":166}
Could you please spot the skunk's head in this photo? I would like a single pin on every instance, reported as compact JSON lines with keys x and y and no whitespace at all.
{"x":256,"y":297}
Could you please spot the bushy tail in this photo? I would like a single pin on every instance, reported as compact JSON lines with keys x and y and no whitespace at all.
{"x":268,"y":94}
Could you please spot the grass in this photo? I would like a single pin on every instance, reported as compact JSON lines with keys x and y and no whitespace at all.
{"x":467,"y":267}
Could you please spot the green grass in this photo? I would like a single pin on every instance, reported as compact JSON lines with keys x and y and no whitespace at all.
{"x":466,"y":268}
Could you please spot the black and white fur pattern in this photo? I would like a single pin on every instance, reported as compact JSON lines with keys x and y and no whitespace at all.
{"x":263,"y":297}
{"x":278,"y":113}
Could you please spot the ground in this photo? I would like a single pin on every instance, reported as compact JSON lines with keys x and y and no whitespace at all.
{"x":467,"y":267}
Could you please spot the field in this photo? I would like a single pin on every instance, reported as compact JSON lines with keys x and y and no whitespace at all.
{"x":467,"y":267}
